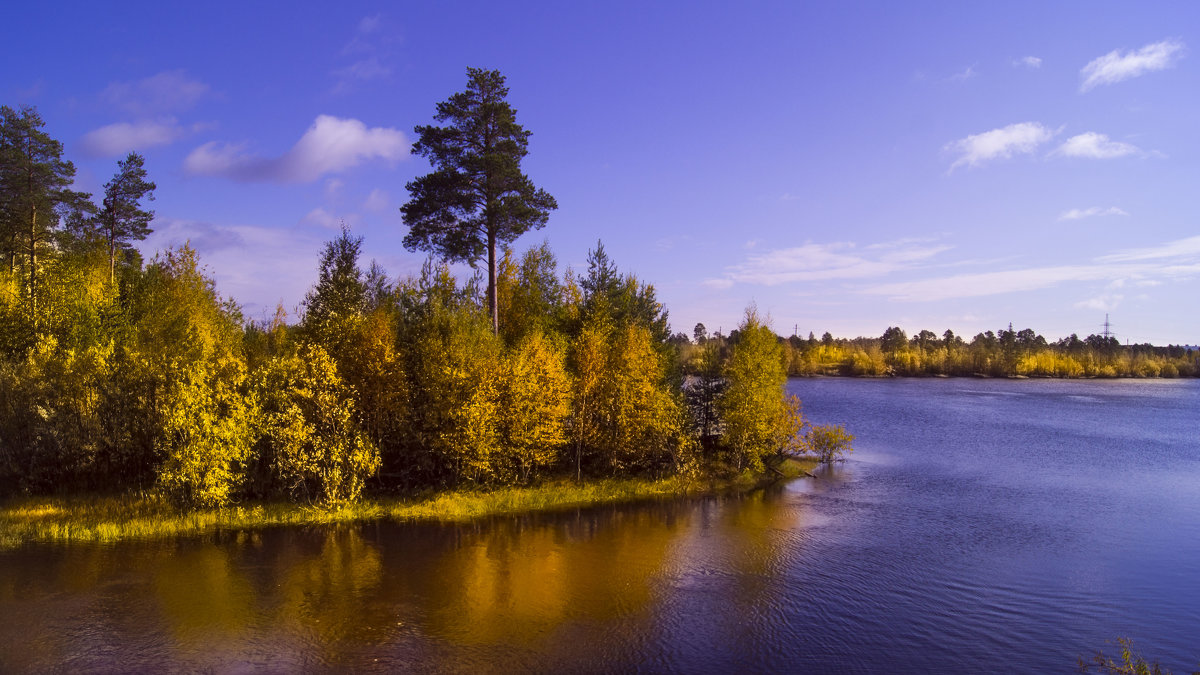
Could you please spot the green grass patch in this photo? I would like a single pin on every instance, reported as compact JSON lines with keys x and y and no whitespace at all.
{"x":150,"y":516}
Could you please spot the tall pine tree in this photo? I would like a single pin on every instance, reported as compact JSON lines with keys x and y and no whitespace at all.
{"x":122,"y":218}
{"x":476,"y":197}
{"x":34,"y":182}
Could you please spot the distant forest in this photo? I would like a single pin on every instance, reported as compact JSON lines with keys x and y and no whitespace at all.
{"x":1005,"y":353}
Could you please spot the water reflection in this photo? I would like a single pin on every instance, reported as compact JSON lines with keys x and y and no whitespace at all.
{"x":1022,"y":529}
{"x":505,"y":593}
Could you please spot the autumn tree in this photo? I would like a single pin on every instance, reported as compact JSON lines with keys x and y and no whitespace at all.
{"x":529,"y":293}
{"x":209,"y":426}
{"x":535,"y":402}
{"x":314,"y":444}
{"x":752,"y":406}
{"x":477,"y":197}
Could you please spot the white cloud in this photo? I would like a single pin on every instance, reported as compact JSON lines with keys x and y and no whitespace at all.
{"x":1078,"y":214}
{"x":822,"y":262}
{"x":1105,"y":302}
{"x":378,"y":201}
{"x":320,"y":216}
{"x":331,"y":145}
{"x":333,"y":187}
{"x":215,"y":158}
{"x":1092,"y":145}
{"x":122,"y":137}
{"x":1115,"y":66}
{"x":1031,"y":62}
{"x":168,"y":91}
{"x":1021,"y":138}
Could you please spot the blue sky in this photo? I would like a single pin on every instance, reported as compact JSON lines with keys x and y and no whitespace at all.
{"x":845,"y":166}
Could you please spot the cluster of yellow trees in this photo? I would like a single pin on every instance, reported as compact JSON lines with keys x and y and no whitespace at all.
{"x":1005,"y":353}
{"x":148,"y":379}
{"x":116,"y":375}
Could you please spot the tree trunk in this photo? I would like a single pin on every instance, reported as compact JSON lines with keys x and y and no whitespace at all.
{"x":493,"y":310}
{"x":112,"y":255}
{"x":33,"y":263}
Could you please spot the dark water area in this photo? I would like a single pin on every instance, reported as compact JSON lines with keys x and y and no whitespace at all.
{"x":979,"y":526}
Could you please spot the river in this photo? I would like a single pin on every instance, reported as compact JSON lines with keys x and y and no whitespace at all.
{"x":979,"y":526}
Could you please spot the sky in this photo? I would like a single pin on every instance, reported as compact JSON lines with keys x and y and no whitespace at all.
{"x":842,"y":166}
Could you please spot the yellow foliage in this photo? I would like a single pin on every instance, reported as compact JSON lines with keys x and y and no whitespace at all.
{"x":752,"y":405}
{"x":535,"y":404}
{"x":208,"y":429}
{"x":310,"y":422}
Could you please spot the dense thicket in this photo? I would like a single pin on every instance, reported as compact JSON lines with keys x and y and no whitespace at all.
{"x":155,"y":382}
{"x":117,"y":375}
{"x":1006,"y":353}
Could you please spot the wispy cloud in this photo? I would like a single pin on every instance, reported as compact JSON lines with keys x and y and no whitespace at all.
{"x":1092,"y":145}
{"x":1079,"y":214}
{"x":378,"y":201}
{"x":370,"y":48}
{"x":1031,"y":62}
{"x":233,"y":256}
{"x":1116,"y":66}
{"x":1002,"y":143}
{"x":362,"y":71}
{"x":1173,"y":261}
{"x":122,"y":137}
{"x":1180,"y":248}
{"x":167,"y":92}
{"x":331,"y":145}
{"x":823,"y":262}
{"x":965,"y":74}
{"x":988,"y":283}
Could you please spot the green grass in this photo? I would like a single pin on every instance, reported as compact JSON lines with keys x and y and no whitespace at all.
{"x":149,"y":516}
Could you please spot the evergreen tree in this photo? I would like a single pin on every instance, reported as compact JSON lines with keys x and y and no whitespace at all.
{"x":476,"y":197}
{"x":339,"y":298}
{"x":34,"y":181}
{"x":122,"y":218}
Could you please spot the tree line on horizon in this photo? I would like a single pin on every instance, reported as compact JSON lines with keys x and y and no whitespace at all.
{"x":1004,"y":353}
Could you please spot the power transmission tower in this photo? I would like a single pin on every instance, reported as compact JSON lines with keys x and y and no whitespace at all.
{"x":1107,"y":328}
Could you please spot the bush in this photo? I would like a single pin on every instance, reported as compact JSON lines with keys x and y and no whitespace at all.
{"x":311,"y":430}
{"x":829,"y":442}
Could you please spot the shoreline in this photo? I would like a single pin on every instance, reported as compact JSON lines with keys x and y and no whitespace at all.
{"x":111,"y":519}
{"x":981,"y":376}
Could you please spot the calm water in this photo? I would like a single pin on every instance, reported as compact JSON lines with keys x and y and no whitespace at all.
{"x":981,"y":526}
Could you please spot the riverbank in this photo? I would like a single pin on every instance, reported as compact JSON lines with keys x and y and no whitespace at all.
{"x":110,"y":518}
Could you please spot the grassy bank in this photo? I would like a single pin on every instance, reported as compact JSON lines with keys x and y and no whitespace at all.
{"x":148,"y":516}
